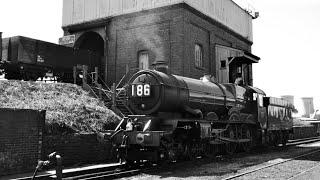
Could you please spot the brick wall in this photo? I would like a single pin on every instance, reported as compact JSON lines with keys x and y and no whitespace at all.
{"x":20,"y":140}
{"x":168,"y":33}
{"x":77,"y":148}
{"x":154,"y":31}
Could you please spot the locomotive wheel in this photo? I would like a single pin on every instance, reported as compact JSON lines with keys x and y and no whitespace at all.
{"x":190,"y":152}
{"x":208,"y":150}
{"x":285,"y":138}
{"x":231,"y":147}
{"x":246,"y":134}
{"x":234,"y":117}
{"x":273,"y":139}
{"x":172,"y":155}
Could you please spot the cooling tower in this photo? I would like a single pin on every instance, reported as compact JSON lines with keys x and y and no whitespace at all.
{"x":289,"y":98}
{"x":307,"y":106}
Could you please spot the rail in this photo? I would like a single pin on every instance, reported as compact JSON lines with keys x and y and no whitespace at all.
{"x":270,"y":165}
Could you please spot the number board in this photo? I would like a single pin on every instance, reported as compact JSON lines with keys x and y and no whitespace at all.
{"x":140,"y":90}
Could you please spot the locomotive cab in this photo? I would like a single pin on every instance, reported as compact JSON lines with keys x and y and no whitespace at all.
{"x":255,"y":106}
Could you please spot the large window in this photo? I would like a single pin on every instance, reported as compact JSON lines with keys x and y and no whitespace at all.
{"x":198,"y":55}
{"x":143,"y":57}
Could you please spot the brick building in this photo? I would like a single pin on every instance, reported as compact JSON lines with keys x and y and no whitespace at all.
{"x":193,"y":37}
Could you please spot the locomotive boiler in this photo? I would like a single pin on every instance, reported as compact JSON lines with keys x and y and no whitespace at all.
{"x":151,"y":92}
{"x":183,"y":118}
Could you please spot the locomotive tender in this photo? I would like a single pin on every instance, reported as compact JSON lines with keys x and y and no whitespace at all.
{"x":179,"y":117}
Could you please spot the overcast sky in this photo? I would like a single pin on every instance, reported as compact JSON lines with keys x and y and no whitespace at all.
{"x":286,"y":37}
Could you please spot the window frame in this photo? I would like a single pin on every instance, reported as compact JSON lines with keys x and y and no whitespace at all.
{"x":225,"y":64}
{"x":140,"y":53}
{"x":198,"y":56}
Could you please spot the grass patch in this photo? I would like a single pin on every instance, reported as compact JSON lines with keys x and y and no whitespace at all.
{"x":69,"y":108}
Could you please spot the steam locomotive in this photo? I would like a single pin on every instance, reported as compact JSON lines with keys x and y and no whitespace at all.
{"x":184,"y":118}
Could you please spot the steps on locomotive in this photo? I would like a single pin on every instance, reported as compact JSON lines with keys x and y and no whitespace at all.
{"x":105,"y":95}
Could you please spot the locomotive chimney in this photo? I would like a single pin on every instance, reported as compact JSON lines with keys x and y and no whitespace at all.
{"x":0,"y":46}
{"x":288,"y":98}
{"x":307,"y":106}
{"x":161,"y":66}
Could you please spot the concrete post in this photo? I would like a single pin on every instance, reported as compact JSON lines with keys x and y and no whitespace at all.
{"x":84,"y":74}
{"x":74,"y":74}
{"x":59,"y":167}
{"x":96,"y":70}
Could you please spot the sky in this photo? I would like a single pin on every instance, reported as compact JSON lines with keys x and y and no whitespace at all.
{"x":286,"y":37}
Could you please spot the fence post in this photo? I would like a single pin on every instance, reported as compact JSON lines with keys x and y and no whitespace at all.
{"x":96,"y":70}
{"x":100,"y":90}
{"x":114,"y":95}
{"x":84,"y":74}
{"x":74,"y":74}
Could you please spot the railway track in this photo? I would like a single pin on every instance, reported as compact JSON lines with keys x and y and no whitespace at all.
{"x":303,"y":141}
{"x":106,"y":175}
{"x":293,"y":143}
{"x":303,"y":172}
{"x":79,"y":173}
{"x":118,"y":171}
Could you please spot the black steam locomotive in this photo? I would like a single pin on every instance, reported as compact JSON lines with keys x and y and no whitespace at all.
{"x":29,"y":59}
{"x":183,"y":118}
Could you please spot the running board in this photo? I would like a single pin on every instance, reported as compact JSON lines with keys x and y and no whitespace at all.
{"x":222,"y":140}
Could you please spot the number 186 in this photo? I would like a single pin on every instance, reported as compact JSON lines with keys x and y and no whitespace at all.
{"x":140,"y":90}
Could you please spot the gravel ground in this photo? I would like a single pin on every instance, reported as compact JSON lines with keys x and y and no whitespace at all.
{"x":287,"y":169}
{"x":224,"y":166}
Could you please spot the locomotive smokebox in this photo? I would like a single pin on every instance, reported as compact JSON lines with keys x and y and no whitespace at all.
{"x":161,"y":66}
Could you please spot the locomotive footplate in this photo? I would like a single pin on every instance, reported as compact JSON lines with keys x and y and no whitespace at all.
{"x":224,"y":139}
{"x":224,"y":135}
{"x":132,"y":153}
{"x":144,"y":139}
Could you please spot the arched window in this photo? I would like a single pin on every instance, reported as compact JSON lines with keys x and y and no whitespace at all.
{"x":198,"y":55}
{"x":143,"y":58}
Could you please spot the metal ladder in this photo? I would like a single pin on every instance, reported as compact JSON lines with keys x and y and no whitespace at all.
{"x":114,"y":98}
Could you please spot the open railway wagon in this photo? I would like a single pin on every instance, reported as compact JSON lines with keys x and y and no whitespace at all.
{"x":307,"y":129}
{"x":29,"y":59}
{"x":183,"y":118}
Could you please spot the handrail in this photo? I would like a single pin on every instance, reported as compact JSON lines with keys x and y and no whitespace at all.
{"x":91,"y":89}
{"x":109,"y":93}
{"x":104,"y":83}
{"x":127,"y":74}
{"x":120,"y":90}
{"x":99,"y":79}
{"x":106,"y":92}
